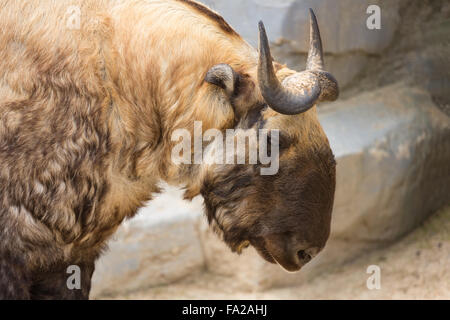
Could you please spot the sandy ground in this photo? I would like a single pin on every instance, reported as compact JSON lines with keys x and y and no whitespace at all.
{"x":416,"y":267}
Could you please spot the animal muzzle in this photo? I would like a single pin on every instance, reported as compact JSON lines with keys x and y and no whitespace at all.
{"x":292,"y":257}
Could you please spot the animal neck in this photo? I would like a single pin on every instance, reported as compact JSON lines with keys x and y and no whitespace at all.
{"x":157,"y":89}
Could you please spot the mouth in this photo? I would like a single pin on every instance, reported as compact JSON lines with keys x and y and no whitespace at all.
{"x":258,"y":244}
{"x":243,"y":245}
{"x":260,"y":247}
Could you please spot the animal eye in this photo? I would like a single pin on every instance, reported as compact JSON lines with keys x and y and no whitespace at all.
{"x":237,"y":86}
{"x":284,"y":142}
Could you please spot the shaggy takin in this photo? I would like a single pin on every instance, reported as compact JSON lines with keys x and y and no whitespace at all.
{"x":91,"y":92}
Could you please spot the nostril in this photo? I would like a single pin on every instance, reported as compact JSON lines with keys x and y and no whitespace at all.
{"x":304,"y":256}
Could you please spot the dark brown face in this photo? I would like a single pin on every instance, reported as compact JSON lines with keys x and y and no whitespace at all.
{"x":285,"y":216}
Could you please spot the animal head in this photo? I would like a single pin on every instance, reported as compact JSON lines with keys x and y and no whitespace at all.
{"x":286,"y":214}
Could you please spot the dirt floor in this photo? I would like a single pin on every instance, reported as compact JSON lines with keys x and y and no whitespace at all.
{"x":417,"y":267}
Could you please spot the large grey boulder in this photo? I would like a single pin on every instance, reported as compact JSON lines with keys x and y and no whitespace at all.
{"x":392,"y":148}
{"x":157,"y":247}
{"x":393,"y":151}
{"x":349,"y":45}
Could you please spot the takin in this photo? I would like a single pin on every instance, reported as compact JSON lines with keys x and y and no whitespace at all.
{"x":91,"y":92}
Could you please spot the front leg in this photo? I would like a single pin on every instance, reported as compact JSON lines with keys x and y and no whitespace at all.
{"x":63,"y":283}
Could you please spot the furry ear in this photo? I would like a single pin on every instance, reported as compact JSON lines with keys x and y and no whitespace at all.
{"x":223,"y":76}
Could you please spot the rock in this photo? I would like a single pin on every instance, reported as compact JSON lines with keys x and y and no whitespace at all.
{"x":158,"y":246}
{"x":394,"y":161}
{"x":348,"y":44}
{"x":345,"y":68}
{"x":342,"y":23}
{"x":392,"y":148}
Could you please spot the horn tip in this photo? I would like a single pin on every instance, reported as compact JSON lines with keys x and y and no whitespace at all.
{"x":261,"y":25}
{"x":264,"y":41}
{"x":312,"y":15}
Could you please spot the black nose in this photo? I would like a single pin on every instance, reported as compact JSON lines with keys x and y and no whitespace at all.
{"x":291,"y":254}
{"x":303,"y":256}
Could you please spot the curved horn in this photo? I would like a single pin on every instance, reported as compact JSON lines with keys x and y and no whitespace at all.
{"x":328,"y":84}
{"x":315,"y":55}
{"x":277,"y":97}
